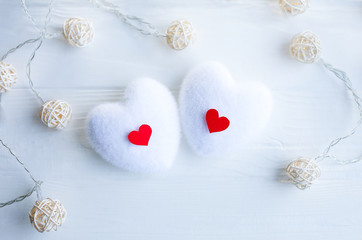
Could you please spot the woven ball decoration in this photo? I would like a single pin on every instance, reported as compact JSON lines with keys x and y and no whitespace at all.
{"x":305,"y":47}
{"x":79,"y":32}
{"x":8,"y":76}
{"x":180,"y":34}
{"x":303,"y":172}
{"x":56,"y":114}
{"x":47,"y":215}
{"x":294,"y":7}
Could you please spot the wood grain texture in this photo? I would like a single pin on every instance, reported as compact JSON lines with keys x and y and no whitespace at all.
{"x":237,"y":197}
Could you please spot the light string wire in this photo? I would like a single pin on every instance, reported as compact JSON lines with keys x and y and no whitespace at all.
{"x":37,"y":183}
{"x":44,"y":34}
{"x":357,"y":99}
{"x":28,"y":71}
{"x":137,"y":23}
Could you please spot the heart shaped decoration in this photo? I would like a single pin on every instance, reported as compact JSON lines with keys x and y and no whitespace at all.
{"x":142,"y":136}
{"x":210,"y":89}
{"x":148,"y":107}
{"x":216,"y":123}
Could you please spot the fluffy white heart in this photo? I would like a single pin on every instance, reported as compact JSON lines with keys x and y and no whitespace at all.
{"x":247,"y":105}
{"x":146,"y":102}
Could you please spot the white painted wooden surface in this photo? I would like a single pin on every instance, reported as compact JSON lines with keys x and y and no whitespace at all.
{"x":237,"y":197}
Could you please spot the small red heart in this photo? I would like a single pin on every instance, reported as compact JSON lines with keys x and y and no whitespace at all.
{"x":142,"y":136}
{"x":216,"y":123}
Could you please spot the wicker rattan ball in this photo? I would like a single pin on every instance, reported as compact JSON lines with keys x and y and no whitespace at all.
{"x":56,"y":114}
{"x":8,"y":76}
{"x":180,"y":34}
{"x":305,"y":47}
{"x":303,"y":172}
{"x":79,"y":32}
{"x":47,"y":215}
{"x":294,"y":7}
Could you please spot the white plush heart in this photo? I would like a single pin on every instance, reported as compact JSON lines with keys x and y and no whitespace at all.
{"x":247,"y":105}
{"x":146,"y":102}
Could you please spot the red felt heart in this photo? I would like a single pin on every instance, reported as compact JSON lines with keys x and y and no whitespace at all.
{"x":142,"y":136}
{"x":216,"y":123}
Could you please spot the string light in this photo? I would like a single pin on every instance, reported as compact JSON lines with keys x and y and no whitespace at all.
{"x":305,"y":47}
{"x":80,"y":33}
{"x":178,"y":36}
{"x":294,"y":7}
{"x":47,"y":214}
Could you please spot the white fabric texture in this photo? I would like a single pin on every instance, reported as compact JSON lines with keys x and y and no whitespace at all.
{"x":247,"y":105}
{"x":146,"y":102}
